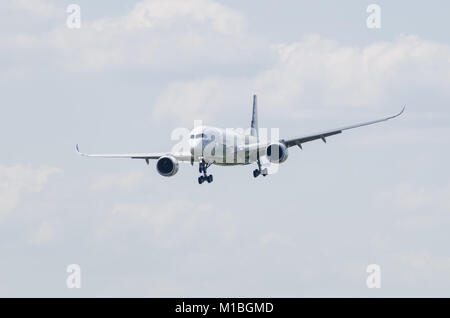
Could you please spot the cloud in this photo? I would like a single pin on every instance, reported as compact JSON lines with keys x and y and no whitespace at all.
{"x":162,"y":14}
{"x":204,"y":38}
{"x":44,"y":234}
{"x":188,"y":101}
{"x":174,"y":223}
{"x":319,"y":75}
{"x":118,"y":180}
{"x":19,"y":179}
{"x":410,"y":197}
{"x":339,"y":74}
{"x":416,"y":207}
{"x":275,"y":239}
{"x":202,"y":60}
{"x":162,"y":35}
{"x":423,"y":265}
{"x":38,"y":7}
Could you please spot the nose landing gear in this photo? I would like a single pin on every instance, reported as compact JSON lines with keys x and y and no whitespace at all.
{"x":202,"y":167}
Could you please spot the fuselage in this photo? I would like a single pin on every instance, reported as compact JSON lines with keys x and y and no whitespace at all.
{"x":222,"y":146}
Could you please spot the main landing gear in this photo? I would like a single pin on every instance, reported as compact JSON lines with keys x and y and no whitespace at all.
{"x":202,"y":167}
{"x":259,"y":171}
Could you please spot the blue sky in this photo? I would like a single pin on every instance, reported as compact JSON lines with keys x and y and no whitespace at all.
{"x":136,"y":70}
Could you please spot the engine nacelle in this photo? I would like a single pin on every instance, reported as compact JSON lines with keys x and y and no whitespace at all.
{"x":277,"y":153}
{"x":167,"y":166}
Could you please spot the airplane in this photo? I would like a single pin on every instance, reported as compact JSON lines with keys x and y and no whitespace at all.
{"x":210,"y":145}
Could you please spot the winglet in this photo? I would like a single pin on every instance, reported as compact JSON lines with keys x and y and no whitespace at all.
{"x":398,"y":114}
{"x":401,"y":112}
{"x":78,"y":150}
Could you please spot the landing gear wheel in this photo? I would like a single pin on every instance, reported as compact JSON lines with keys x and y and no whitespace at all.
{"x":202,"y":168}
{"x":264,"y":172}
{"x":256,"y":173}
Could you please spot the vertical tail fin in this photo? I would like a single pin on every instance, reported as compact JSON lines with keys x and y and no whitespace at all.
{"x":254,"y":129}
{"x":254,"y":124}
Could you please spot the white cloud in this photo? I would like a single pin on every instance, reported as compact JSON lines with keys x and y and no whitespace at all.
{"x":339,"y":74}
{"x":422,"y":266}
{"x":118,"y":180}
{"x":203,"y":35}
{"x":44,"y":234}
{"x":19,"y":179}
{"x":38,"y":7}
{"x":190,"y":101}
{"x":416,"y":207}
{"x":173,"y":223}
{"x":411,"y":197}
{"x":276,"y":239}
{"x":154,"y":14}
{"x":157,"y":34}
{"x":318,"y":73}
{"x":161,"y":241}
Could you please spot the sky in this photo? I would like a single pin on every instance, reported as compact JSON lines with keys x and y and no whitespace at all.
{"x":136,"y":70}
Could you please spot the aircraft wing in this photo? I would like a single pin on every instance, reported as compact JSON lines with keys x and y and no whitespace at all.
{"x":322,"y":135}
{"x":146,"y":156}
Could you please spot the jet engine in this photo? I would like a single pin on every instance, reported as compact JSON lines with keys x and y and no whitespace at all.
{"x":167,"y":166}
{"x":277,"y":153}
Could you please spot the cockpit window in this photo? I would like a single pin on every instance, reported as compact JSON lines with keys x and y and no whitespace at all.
{"x":204,"y":136}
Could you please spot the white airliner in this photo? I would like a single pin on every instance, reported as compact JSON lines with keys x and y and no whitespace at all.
{"x":210,"y":145}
